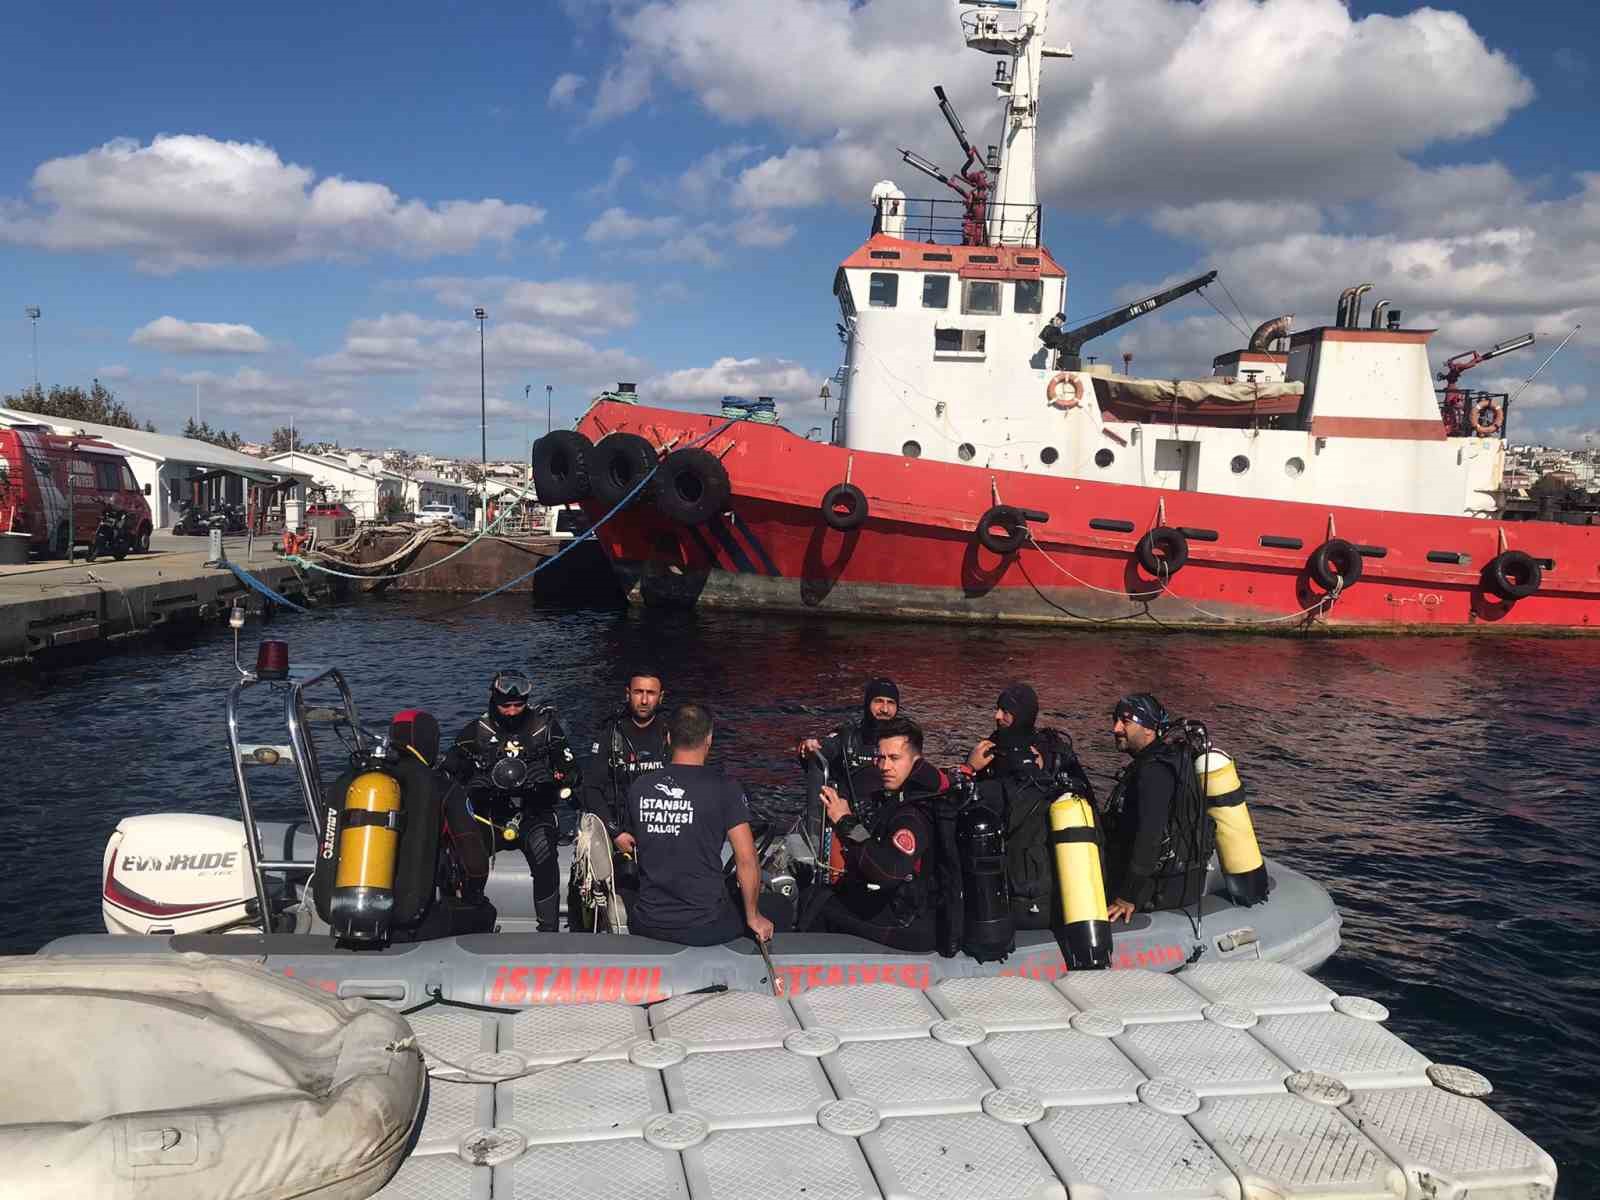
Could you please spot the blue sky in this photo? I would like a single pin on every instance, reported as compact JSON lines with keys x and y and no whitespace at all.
{"x":294,"y":212}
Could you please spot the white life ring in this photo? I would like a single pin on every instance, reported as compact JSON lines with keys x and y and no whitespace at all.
{"x":1064,"y":390}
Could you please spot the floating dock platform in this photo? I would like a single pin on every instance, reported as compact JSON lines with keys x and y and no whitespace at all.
{"x":1231,"y":1081}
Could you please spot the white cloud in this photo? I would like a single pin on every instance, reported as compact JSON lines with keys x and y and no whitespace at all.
{"x":262,"y":396}
{"x":578,"y":303}
{"x":760,"y":230}
{"x":564,"y":90}
{"x":621,"y":167}
{"x":624,"y":87}
{"x":1538,"y":394}
{"x":617,"y":224}
{"x":198,"y":337}
{"x":188,"y":201}
{"x":777,"y":377}
{"x":1230,"y":222}
{"x":113,"y":372}
{"x":409,"y":343}
{"x":708,"y":181}
{"x":693,"y":247}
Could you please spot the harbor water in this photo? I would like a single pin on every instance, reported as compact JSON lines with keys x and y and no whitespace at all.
{"x":1443,"y":789}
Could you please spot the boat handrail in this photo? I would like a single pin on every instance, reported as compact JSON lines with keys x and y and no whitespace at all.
{"x":303,"y":752}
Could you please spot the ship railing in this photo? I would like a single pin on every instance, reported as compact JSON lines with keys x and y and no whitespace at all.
{"x":299,"y":753}
{"x":996,"y":32}
{"x":1456,"y":406}
{"x":945,"y":223}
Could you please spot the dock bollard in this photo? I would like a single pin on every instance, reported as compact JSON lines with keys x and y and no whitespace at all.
{"x":217,"y":555}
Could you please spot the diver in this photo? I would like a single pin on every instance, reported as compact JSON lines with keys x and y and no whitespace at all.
{"x":680,"y":818}
{"x":890,"y":889}
{"x":519,"y":768}
{"x":850,"y":751}
{"x":1157,"y":835}
{"x":633,"y":740}
{"x":1019,"y":770}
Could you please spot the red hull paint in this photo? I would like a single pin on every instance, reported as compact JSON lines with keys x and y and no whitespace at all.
{"x":916,"y":556}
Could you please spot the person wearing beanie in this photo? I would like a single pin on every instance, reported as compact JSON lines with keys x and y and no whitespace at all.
{"x":850,"y":750}
{"x":1019,"y":771}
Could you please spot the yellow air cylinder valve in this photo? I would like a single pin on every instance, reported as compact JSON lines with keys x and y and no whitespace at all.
{"x":1240,"y":856}
{"x":1083,"y":891}
{"x":362,"y":901}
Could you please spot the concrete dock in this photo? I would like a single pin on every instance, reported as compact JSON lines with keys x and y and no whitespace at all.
{"x":46,"y":605}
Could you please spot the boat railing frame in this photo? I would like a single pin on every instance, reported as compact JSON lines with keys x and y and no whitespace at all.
{"x":301,"y":752}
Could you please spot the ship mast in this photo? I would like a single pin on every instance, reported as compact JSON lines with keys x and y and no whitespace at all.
{"x":1014,"y":31}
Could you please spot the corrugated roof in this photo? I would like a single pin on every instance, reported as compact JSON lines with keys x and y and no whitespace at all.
{"x":161,"y":446}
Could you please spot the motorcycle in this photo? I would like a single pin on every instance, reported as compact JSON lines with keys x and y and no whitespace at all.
{"x":112,"y":536}
{"x":191,"y":521}
{"x":227,"y":517}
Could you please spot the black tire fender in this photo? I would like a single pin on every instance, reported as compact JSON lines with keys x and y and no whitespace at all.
{"x":1003,"y":529}
{"x":1162,"y":551}
{"x":560,"y":465}
{"x":619,"y":461}
{"x":1513,"y":575}
{"x":693,"y":486}
{"x":844,"y":507}
{"x":1335,"y":563}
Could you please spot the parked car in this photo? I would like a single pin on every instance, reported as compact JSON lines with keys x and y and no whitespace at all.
{"x":434,"y":514}
{"x":55,"y":487}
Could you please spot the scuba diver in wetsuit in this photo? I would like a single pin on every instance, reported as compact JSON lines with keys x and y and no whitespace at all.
{"x":851,"y":750}
{"x":518,"y":768}
{"x":1019,"y":770}
{"x":1157,"y":832}
{"x":890,"y":889}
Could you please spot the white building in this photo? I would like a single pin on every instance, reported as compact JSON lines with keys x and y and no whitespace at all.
{"x":362,"y":484}
{"x":171,"y":465}
{"x":426,"y":487}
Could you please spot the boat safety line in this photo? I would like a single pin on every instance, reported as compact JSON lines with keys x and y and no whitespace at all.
{"x":618,"y":1043}
{"x":1322,"y":602}
{"x":251,"y":581}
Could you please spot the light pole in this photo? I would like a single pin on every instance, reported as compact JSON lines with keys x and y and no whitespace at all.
{"x":548,"y":406}
{"x":32,"y":313}
{"x":527,"y":428}
{"x":483,"y":418}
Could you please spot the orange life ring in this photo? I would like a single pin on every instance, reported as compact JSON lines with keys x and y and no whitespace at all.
{"x":1487,"y":416}
{"x":1064,"y":390}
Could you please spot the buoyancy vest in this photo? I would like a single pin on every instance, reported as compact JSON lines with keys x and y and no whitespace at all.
{"x":1186,"y":839}
{"x":1022,"y":793}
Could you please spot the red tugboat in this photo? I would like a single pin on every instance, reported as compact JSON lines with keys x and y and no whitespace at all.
{"x":1313,"y":483}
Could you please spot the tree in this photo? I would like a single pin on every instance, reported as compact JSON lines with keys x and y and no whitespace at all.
{"x":98,"y":405}
{"x":217,"y":437}
{"x":284,"y":439}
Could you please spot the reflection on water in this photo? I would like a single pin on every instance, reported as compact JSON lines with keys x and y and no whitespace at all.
{"x":1443,"y":789}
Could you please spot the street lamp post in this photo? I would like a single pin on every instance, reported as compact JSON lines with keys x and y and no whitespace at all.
{"x":527,"y":429}
{"x":32,"y":313}
{"x":483,"y":421}
{"x":548,"y":406}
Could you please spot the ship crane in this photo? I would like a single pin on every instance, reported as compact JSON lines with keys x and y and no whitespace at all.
{"x":1069,"y":342}
{"x":972,"y":184}
{"x":1453,"y":405}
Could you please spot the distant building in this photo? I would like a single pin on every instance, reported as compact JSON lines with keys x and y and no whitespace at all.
{"x":362,"y":484}
{"x":427,"y":487}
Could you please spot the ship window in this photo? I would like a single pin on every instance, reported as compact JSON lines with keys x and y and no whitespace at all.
{"x":966,"y":452}
{"x":1029,"y":297}
{"x":1049,"y":455}
{"x":980,"y":296}
{"x":912,"y":449}
{"x":1295,"y":468}
{"x":968,"y":342}
{"x":1239,"y":464}
{"x":1104,"y":458}
{"x":936,"y":291}
{"x":885,"y":289}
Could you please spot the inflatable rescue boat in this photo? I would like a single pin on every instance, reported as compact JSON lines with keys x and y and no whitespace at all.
{"x":346,"y":897}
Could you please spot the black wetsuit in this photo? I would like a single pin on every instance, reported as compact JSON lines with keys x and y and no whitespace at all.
{"x":620,"y":753}
{"x":850,"y":752}
{"x":537,"y":738}
{"x":1157,"y":834}
{"x":889,"y":892}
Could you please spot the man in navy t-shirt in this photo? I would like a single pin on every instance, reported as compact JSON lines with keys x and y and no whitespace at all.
{"x":679,"y":817}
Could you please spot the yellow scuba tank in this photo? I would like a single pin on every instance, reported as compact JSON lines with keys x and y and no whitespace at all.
{"x":362,"y":901}
{"x":1083,"y":891}
{"x":1240,"y":856}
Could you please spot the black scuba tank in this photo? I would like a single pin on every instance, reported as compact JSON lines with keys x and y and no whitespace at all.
{"x":987,"y":931}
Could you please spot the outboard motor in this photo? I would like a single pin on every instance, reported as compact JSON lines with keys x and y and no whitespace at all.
{"x":172,"y":873}
{"x":987,"y":930}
